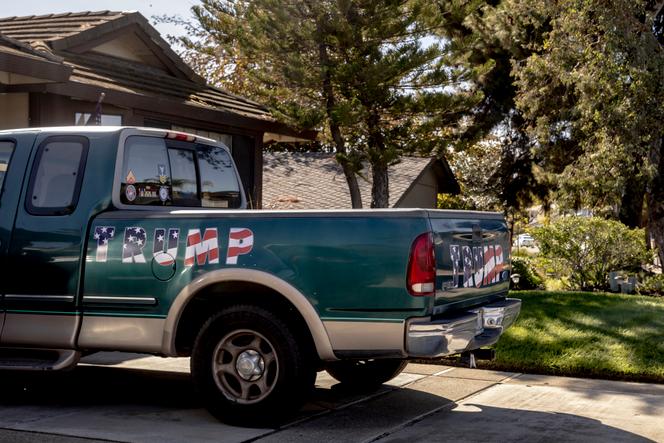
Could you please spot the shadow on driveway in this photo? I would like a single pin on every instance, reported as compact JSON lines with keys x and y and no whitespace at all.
{"x":141,"y":405}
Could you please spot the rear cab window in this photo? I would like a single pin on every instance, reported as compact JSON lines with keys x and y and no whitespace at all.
{"x":6,"y":151}
{"x":164,"y":172}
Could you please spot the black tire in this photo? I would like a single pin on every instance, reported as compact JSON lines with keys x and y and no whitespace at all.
{"x":366,"y":374}
{"x":279,"y":376}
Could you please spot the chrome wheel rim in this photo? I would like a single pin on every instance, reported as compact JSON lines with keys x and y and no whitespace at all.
{"x":245,"y":366}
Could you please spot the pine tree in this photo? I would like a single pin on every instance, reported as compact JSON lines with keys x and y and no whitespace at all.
{"x":358,"y":70}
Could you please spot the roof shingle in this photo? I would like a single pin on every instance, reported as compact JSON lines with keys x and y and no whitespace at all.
{"x":54,"y":26}
{"x":316,"y":181}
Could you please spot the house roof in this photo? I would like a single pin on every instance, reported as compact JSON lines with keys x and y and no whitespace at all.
{"x":21,"y":59}
{"x":123,"y":76}
{"x":73,"y":38}
{"x":316,"y":181}
{"x":54,"y":26}
{"x":81,"y":30}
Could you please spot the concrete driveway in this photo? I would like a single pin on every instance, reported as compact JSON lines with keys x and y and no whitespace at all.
{"x":133,"y":398}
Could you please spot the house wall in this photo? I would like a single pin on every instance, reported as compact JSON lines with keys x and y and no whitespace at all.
{"x":47,"y":109}
{"x":14,"y":110}
{"x":423,"y":193}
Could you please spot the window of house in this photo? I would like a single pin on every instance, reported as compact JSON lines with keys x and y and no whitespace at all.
{"x":6,"y":150}
{"x":164,"y":172}
{"x":83,"y":118}
{"x":57,"y":174}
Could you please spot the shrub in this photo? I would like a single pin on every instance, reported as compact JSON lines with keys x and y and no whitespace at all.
{"x":528,"y":277}
{"x":652,"y":284}
{"x":588,"y":248}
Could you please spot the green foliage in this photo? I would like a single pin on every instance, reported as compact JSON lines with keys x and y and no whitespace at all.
{"x":652,"y":284}
{"x":588,"y":248}
{"x":494,"y":157}
{"x":357,"y":71}
{"x":595,"y":83}
{"x":528,"y":276}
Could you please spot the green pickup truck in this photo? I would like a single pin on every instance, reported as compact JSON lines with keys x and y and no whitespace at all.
{"x":139,"y":240}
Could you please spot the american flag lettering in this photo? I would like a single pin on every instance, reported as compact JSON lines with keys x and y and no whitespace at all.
{"x":482,"y":265}
{"x":103,"y":234}
{"x":134,"y":242}
{"x":165,"y":246}
{"x":499,"y":263}
{"x":478,"y":259}
{"x":468,"y":266}
{"x":240,"y":242}
{"x":455,"y":254}
{"x":202,"y":249}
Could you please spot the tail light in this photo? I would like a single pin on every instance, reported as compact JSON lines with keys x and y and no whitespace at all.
{"x":422,"y":266}
{"x":180,"y":136}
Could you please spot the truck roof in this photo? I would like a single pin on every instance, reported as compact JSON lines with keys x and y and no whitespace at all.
{"x":98,"y":129}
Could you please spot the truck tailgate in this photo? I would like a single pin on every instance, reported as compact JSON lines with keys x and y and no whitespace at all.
{"x":472,"y":258}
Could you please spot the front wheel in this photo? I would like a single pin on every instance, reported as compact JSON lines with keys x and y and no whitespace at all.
{"x":366,"y":373}
{"x":249,"y":367}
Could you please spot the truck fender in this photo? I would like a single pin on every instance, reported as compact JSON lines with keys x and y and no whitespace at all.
{"x":297,"y":299}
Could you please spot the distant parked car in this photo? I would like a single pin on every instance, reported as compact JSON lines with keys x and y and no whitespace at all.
{"x":525,"y":240}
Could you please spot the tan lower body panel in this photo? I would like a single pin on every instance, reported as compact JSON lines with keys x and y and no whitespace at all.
{"x":131,"y":334}
{"x":44,"y":331}
{"x":365,"y":335}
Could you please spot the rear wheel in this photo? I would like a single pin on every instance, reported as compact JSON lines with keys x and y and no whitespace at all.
{"x":249,"y":367}
{"x":366,"y":373}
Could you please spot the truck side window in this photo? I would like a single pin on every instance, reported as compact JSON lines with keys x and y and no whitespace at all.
{"x":146,"y":173}
{"x":57,"y":174}
{"x":6,"y":150}
{"x":219,"y":184}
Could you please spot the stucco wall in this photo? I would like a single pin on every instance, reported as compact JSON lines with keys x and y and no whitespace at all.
{"x":14,"y":110}
{"x":422,"y":194}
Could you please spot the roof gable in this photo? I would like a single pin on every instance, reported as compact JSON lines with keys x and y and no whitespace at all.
{"x":125,"y":35}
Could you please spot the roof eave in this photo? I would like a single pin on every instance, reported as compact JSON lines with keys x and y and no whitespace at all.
{"x":171,"y":107}
{"x":32,"y":67}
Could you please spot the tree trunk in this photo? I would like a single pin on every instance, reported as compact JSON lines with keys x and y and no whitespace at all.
{"x":656,"y":199}
{"x":380,"y":195}
{"x":353,"y":187}
{"x":380,"y":189}
{"x":335,"y":130}
{"x":631,"y":205}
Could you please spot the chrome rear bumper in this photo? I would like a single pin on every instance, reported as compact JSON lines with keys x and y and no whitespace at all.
{"x":426,"y":338}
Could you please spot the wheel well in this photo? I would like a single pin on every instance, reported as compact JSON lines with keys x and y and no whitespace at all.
{"x":217,"y":296}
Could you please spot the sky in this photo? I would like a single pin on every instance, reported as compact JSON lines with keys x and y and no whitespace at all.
{"x":148,"y":8}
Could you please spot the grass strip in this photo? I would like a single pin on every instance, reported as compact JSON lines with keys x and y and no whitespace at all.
{"x":582,"y":334}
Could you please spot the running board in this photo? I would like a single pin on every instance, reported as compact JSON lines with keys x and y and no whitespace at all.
{"x":26,"y":359}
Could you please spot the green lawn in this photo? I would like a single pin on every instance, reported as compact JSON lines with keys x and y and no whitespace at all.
{"x":585,"y":334}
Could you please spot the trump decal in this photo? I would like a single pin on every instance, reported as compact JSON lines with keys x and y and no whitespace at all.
{"x":240,"y":242}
